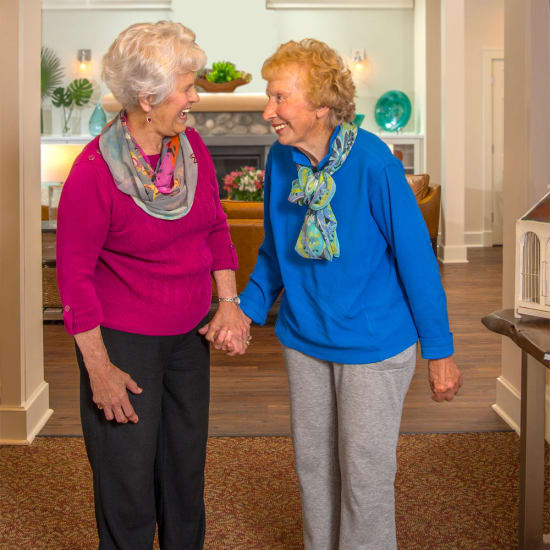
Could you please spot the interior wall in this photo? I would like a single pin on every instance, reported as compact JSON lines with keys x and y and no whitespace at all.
{"x":526,"y":162}
{"x":387,"y":37}
{"x":484,"y":30}
{"x":246,"y":33}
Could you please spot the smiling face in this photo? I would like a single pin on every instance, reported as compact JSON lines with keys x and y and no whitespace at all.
{"x":295,"y":120}
{"x":170,"y":117}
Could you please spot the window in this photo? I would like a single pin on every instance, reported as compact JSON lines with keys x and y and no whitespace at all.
{"x":530,"y":268}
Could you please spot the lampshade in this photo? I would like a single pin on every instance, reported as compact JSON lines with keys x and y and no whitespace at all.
{"x":56,"y":160}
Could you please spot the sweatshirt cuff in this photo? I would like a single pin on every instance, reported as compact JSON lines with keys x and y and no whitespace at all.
{"x":250,"y":307}
{"x":437,"y":348}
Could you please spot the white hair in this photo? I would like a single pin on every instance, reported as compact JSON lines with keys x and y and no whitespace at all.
{"x":146,"y":59}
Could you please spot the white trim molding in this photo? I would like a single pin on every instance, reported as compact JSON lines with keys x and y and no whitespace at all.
{"x":19,"y":425}
{"x":337,"y":4}
{"x":487,"y":57}
{"x":508,"y":403}
{"x":452,"y":254}
{"x":477,"y":239}
{"x":107,"y":4}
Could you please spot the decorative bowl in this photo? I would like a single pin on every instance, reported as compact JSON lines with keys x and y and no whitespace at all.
{"x":215,"y":87}
{"x":392,"y":110}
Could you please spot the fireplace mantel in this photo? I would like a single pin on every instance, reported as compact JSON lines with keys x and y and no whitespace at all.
{"x":213,"y":103}
{"x":233,"y":102}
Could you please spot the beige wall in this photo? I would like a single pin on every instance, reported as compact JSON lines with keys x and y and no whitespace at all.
{"x":246,"y":33}
{"x":24,"y":406}
{"x":526,"y":158}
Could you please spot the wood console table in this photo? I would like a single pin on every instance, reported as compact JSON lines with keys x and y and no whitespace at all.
{"x":532,"y":336}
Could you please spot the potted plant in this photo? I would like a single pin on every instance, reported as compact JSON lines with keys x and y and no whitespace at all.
{"x":51,"y":76}
{"x":246,"y":184}
{"x":77,"y":93}
{"x":245,"y":193}
{"x":222,"y":77}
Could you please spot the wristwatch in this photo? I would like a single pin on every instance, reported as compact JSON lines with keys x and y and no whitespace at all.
{"x":234,"y":299}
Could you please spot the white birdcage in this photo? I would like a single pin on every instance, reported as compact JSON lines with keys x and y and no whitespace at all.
{"x":532,"y":295}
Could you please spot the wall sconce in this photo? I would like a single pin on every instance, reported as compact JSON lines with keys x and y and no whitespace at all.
{"x":358,"y":60}
{"x":84,"y":57}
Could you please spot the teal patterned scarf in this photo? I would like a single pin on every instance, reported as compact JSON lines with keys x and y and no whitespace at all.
{"x":317,"y":239}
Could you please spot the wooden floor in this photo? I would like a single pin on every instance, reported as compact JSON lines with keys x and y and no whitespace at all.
{"x":250,"y":394}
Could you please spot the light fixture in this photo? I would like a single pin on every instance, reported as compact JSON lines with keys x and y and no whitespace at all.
{"x":358,"y":59}
{"x":84,"y":56}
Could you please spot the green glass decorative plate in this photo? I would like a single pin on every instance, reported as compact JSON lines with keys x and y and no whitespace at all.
{"x":358,"y":119}
{"x":392,"y":110}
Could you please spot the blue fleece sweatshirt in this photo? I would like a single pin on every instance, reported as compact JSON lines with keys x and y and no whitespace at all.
{"x":383,"y":292}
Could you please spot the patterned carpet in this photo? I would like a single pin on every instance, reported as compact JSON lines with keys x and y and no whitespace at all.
{"x":454,"y":491}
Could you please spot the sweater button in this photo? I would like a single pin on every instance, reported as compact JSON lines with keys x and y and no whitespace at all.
{"x":91,"y":157}
{"x":67,"y":308}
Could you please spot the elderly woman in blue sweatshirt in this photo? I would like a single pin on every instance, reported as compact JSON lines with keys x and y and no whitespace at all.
{"x":347,"y":245}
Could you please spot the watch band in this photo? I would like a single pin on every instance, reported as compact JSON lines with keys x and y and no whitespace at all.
{"x":234,"y":299}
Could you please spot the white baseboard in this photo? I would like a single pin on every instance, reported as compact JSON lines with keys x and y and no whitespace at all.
{"x":20,"y":425}
{"x":508,"y":406}
{"x":508,"y":403}
{"x":452,"y":254}
{"x":475,"y":239}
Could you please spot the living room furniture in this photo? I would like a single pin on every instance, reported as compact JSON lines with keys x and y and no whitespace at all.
{"x":429,"y":201}
{"x":246,"y":223}
{"x":532,"y":336}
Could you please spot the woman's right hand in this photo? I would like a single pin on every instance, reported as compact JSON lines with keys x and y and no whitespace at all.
{"x":110,"y":387}
{"x":109,"y":384}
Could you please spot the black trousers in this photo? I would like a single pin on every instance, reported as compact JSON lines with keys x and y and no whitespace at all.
{"x":151,"y":472}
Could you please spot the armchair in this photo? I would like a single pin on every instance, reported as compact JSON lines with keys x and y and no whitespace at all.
{"x":429,"y":201}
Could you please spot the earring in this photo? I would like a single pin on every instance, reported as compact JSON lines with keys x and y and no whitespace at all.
{"x":148,"y":119}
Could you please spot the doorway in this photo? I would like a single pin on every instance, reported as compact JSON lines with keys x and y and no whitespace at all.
{"x":493,"y":145}
{"x":497,"y":147}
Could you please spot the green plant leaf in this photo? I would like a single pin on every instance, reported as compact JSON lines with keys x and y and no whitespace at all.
{"x":222,"y":71}
{"x":51,"y":72}
{"x":61,"y":97}
{"x":81,"y":91}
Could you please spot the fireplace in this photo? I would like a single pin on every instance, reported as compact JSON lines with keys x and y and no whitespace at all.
{"x":228,"y":158}
{"x":231,"y":152}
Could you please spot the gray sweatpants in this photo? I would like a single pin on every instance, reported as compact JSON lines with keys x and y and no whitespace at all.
{"x":345,"y":425}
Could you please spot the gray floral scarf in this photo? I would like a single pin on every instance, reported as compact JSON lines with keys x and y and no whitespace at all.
{"x":134,"y":176}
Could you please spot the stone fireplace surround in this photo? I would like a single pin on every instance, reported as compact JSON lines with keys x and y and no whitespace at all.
{"x":233,"y":129}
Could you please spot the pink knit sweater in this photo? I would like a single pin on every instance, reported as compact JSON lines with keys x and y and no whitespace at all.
{"x":121,"y":268}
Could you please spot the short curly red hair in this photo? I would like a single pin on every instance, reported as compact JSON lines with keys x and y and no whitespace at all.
{"x":329,"y":81}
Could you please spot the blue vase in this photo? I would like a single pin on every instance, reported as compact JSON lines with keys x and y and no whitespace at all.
{"x":97,"y":120}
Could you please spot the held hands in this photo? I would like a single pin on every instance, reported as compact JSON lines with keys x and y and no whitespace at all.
{"x":229,"y":329}
{"x":109,"y":386}
{"x":445,"y":378}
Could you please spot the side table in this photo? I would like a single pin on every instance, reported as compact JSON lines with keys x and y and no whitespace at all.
{"x":532,"y":336}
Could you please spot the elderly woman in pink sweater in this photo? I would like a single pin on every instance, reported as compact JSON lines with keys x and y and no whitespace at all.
{"x":140,"y":231}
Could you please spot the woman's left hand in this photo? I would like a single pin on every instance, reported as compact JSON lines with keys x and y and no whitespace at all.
{"x":229,"y":329}
{"x":445,"y":378}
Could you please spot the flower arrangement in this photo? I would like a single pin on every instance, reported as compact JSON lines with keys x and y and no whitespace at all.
{"x":246,"y":184}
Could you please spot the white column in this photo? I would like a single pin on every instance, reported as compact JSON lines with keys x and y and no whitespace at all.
{"x":526,"y":159}
{"x":24,"y":397}
{"x":427,"y":60}
{"x":452,"y":247}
